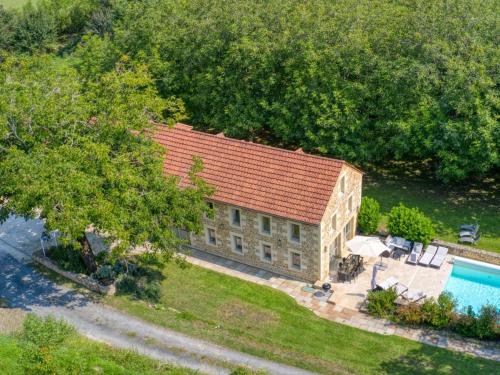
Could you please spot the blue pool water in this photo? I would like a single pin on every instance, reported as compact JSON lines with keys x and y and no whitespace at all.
{"x":474,"y":283}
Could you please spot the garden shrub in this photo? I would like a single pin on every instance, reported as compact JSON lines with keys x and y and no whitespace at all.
{"x":105,"y":274}
{"x":486,"y":323}
{"x":411,"y":224}
{"x":369,"y":215}
{"x":40,"y":338}
{"x":67,"y":258}
{"x":140,"y":286}
{"x":439,"y":314}
{"x":410,"y":314}
{"x":381,"y":303}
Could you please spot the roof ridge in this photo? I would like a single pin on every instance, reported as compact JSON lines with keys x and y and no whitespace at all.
{"x":183,"y":127}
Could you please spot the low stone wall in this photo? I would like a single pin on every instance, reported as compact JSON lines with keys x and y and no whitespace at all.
{"x":470,"y":252}
{"x":84,"y":280}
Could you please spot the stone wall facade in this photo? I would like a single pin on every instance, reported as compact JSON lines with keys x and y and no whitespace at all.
{"x":253,"y":240}
{"x":314,"y":260}
{"x":335,"y":232}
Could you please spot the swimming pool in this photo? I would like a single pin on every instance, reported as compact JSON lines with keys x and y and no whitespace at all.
{"x":474,"y":283}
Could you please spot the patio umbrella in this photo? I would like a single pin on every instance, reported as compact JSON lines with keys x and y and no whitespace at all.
{"x":367,"y":246}
{"x":374,"y":276}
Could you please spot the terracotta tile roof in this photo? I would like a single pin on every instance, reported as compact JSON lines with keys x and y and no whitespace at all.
{"x":283,"y":183}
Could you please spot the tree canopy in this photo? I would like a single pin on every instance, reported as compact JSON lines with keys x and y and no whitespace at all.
{"x":367,"y":81}
{"x":78,"y":152}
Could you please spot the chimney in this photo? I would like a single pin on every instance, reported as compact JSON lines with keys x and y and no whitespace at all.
{"x":299,"y":151}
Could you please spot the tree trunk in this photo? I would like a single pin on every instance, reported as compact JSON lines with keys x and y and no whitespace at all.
{"x":88,"y":255}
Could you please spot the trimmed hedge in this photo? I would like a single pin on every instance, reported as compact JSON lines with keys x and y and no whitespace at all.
{"x":369,"y":215}
{"x":411,"y":224}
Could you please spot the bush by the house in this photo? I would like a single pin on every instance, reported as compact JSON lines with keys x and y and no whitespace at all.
{"x":140,"y":282}
{"x":411,"y":224}
{"x":437,"y":313}
{"x":105,"y":274}
{"x":483,"y":326}
{"x":381,"y":303}
{"x":369,"y":215}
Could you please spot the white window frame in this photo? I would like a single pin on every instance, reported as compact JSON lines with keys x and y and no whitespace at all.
{"x":231,"y":210}
{"x":290,"y":260}
{"x":207,"y":236}
{"x":233,"y":243}
{"x":262,"y":256}
{"x":290,"y":232}
{"x":342,"y":184}
{"x":332,"y":228}
{"x":261,"y":221}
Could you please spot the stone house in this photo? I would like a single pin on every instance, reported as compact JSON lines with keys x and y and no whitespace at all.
{"x":282,"y":211}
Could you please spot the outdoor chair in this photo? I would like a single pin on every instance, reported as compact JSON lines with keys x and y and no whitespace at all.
{"x":440,"y":256}
{"x":413,"y":296}
{"x":397,"y":254}
{"x":415,"y":253}
{"x":469,"y":227}
{"x":429,"y":253}
{"x":400,"y":288}
{"x":387,"y":283}
{"x":469,"y":239}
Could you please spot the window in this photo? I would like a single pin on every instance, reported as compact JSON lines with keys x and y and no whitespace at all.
{"x":335,"y":247}
{"x":235,"y":217}
{"x":237,"y":244}
{"x":295,"y":262}
{"x":266,"y":253}
{"x":334,"y":222}
{"x":349,"y":204}
{"x":211,"y":240}
{"x":211,"y":205}
{"x":342,"y":185}
{"x":211,"y":213}
{"x":294,"y":232}
{"x":265,"y":225}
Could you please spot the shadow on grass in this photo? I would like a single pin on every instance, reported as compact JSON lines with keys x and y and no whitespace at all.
{"x":428,"y":360}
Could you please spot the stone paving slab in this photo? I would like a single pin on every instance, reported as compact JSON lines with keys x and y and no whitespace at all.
{"x":341,"y":314}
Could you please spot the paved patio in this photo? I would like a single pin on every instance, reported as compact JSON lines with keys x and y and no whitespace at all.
{"x":429,"y":280}
{"x":348,"y":296}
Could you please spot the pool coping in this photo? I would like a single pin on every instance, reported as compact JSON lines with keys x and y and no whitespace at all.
{"x":476,"y":262}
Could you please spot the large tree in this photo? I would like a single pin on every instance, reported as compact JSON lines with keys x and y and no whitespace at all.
{"x":78,"y":152}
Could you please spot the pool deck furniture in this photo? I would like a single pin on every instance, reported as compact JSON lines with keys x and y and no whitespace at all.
{"x":415,"y":253}
{"x":429,"y":253}
{"x":469,"y":239}
{"x":400,"y":288}
{"x":387,"y":283}
{"x":398,"y":243}
{"x":469,"y":227}
{"x":413,"y":295}
{"x":440,"y":256}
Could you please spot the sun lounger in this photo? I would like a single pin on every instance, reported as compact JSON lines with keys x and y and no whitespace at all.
{"x":467,"y":233}
{"x":469,"y":227}
{"x":388,"y":283}
{"x":400,"y":288}
{"x":469,"y":239}
{"x":413,"y":295}
{"x":429,"y":253}
{"x":415,"y":253}
{"x":440,"y":256}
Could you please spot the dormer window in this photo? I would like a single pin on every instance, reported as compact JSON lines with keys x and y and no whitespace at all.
{"x":235,"y":217}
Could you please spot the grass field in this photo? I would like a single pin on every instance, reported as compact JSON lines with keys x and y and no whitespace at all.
{"x":14,"y":3}
{"x":268,"y":323}
{"x":82,"y":356}
{"x":447,"y":206}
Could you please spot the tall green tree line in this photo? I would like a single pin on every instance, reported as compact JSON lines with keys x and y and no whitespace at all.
{"x":368,"y":81}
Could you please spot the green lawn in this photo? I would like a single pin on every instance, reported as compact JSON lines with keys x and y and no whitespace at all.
{"x":447,"y":206}
{"x":82,"y":356}
{"x":14,"y":3}
{"x":268,"y":323}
